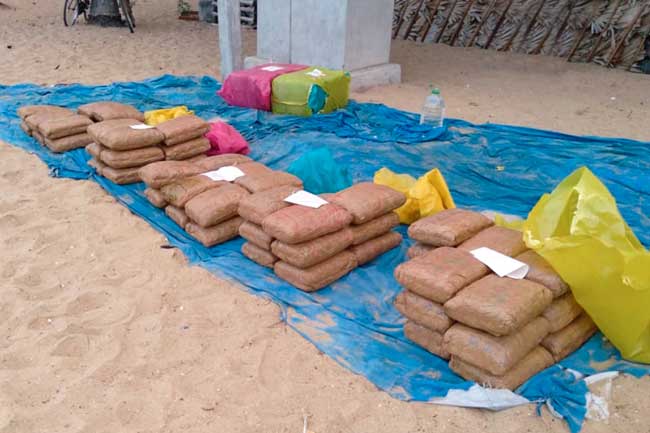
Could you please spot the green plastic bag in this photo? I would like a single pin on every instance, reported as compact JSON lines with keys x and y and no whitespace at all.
{"x":580,"y":232}
{"x":310,"y":91}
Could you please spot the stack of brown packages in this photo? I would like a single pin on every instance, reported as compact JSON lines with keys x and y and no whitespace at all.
{"x":121,"y":146}
{"x":118,"y":150}
{"x":497,"y":331}
{"x":313,"y":247}
{"x":57,"y":128}
{"x":109,"y":110}
{"x":205,"y":208}
{"x":184,"y":137}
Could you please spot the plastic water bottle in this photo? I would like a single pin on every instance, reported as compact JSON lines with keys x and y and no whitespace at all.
{"x":433,"y":111}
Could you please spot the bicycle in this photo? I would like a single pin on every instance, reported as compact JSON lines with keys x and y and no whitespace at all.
{"x":73,"y":9}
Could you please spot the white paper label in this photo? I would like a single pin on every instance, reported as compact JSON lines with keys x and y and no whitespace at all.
{"x":501,"y":264}
{"x":305,"y":198}
{"x":141,"y":126}
{"x":228,"y":173}
{"x":272,"y":68}
{"x":214,"y":175}
{"x":316,"y":73}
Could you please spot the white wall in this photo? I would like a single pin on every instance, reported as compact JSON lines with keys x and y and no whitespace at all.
{"x":339,"y":34}
{"x":274,"y":30}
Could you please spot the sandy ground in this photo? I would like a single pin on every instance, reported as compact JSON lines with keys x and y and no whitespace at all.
{"x":101,"y":330}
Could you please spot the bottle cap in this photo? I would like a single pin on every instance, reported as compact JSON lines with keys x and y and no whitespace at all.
{"x":435,"y":91}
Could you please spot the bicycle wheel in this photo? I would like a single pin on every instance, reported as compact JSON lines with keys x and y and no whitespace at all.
{"x":70,"y":12}
{"x":128,"y":14}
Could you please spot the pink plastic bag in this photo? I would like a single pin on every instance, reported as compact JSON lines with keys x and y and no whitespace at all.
{"x":251,"y":88}
{"x":225,"y":139}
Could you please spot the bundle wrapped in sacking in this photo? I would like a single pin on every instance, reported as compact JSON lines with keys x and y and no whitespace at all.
{"x":497,"y":331}
{"x":311,"y":247}
{"x":58,"y":128}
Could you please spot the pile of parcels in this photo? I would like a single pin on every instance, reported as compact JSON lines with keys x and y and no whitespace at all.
{"x":497,"y":331}
{"x":121,"y":147}
{"x":115,"y":136}
{"x":203,"y":196}
{"x":287,"y":89}
{"x":311,"y":246}
{"x":217,"y":198}
{"x":58,"y":128}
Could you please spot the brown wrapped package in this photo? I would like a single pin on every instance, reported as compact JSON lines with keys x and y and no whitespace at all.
{"x":253,"y":169}
{"x":177,"y":215}
{"x":296,"y":224}
{"x":496,"y":355}
{"x":369,"y":250}
{"x":25,"y":127}
{"x":187,"y":149}
{"x":121,"y":176}
{"x":418,"y":249}
{"x":182,"y":129}
{"x":197,"y":158}
{"x":158,"y":174}
{"x":53,"y":110}
{"x":36,"y":120}
{"x":400,"y":302}
{"x":95,"y":128}
{"x":215,"y":205}
{"x":95,"y":150}
{"x":131,"y":158}
{"x":155,"y":197}
{"x":374,"y":228}
{"x":258,"y":206}
{"x":497,"y":305}
{"x":535,"y":361}
{"x":541,"y":272}
{"x":501,"y":239}
{"x":183,"y":190}
{"x":68,"y":143}
{"x":255,"y":235}
{"x":562,"y":311}
{"x":366,"y":201}
{"x":258,"y":255}
{"x":65,"y":126}
{"x":430,"y":340}
{"x":306,"y":254}
{"x":37,"y":135}
{"x":109,"y":110}
{"x":425,"y":312}
{"x":568,"y":340}
{"x":440,"y":274}
{"x":124,"y":137}
{"x":317,"y":276}
{"x":448,"y":228}
{"x":217,"y":161}
{"x":268,"y":181}
{"x":97,"y":165}
{"x":214,"y":235}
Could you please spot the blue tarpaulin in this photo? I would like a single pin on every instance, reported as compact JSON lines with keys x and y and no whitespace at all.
{"x":488,"y":167}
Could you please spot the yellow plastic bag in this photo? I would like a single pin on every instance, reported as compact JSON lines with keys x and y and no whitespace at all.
{"x":154,"y":117}
{"x":580,"y":232}
{"x":425,"y":196}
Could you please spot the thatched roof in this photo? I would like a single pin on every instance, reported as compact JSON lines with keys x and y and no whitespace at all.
{"x":610,"y":33}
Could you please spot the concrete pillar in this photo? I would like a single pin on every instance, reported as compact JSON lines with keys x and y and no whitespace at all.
{"x":354,"y":35}
{"x":229,"y":37}
{"x":274,"y":18}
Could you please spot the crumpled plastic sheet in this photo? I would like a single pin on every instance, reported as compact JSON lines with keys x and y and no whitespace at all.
{"x":353,"y":321}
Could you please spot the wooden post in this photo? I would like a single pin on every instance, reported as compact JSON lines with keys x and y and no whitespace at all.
{"x":229,"y":37}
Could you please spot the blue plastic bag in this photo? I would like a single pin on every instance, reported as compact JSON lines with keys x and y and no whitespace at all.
{"x":320,"y":173}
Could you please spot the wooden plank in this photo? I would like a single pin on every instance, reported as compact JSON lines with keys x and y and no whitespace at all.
{"x":230,"y":46}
